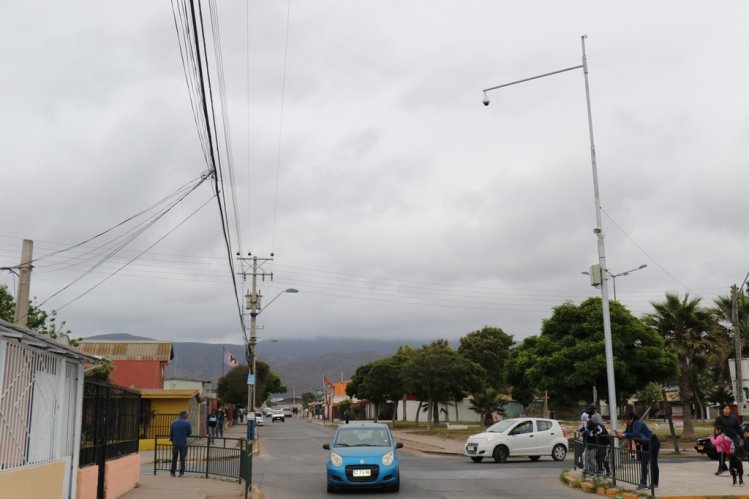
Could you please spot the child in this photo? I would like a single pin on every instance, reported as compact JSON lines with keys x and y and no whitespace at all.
{"x":723,"y":446}
{"x":737,"y":467}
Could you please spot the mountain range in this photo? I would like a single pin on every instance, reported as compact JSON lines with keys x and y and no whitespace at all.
{"x":301,"y":363}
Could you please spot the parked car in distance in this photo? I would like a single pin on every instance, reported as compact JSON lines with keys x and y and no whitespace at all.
{"x":705,"y":446}
{"x":531,"y":437}
{"x":363,"y":455}
{"x":267,"y":412}
{"x":287,"y":412}
{"x":258,"y":419}
{"x":277,"y":416}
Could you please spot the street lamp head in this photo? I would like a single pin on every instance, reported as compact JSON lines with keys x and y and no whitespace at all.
{"x":291,"y":290}
{"x":642,"y":266}
{"x":486,"y":99}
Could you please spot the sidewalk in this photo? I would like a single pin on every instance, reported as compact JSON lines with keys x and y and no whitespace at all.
{"x":163,"y":486}
{"x":690,"y":476}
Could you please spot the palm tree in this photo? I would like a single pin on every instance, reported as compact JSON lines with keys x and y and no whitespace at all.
{"x":487,"y":402}
{"x":690,"y":332}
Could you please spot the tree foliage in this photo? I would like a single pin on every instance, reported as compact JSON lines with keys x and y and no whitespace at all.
{"x":488,"y":347}
{"x":232,"y":387}
{"x":568,"y":358}
{"x":378,"y":382}
{"x":487,"y":402}
{"x":39,"y":320}
{"x":436,"y":373}
{"x":691,"y":333}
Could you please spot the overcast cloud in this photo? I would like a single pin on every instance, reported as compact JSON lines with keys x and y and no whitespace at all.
{"x":395,"y":202}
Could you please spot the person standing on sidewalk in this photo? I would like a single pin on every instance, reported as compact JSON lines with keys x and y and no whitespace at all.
{"x":729,"y":424}
{"x":221,"y":419}
{"x":639,"y":431}
{"x":180,"y":430}
{"x":212,"y":422}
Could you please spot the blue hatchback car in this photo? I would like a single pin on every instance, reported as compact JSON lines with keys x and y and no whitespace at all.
{"x":363,"y":455}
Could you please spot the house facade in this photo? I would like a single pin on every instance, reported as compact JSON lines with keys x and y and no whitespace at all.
{"x":139,"y":364}
{"x":41,"y":393}
{"x":160,"y":407}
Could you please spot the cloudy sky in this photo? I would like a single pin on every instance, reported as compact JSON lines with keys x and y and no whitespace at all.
{"x":363,"y":159}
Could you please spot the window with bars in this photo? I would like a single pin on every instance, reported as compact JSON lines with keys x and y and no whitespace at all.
{"x":37,"y":405}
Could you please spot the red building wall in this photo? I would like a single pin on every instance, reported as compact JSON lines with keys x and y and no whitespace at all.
{"x":139,"y":373}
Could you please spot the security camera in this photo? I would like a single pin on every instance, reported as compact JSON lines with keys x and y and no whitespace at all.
{"x":486,"y":100}
{"x":597,"y":230}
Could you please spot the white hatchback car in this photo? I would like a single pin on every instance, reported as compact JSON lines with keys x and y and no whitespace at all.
{"x":532,"y":437}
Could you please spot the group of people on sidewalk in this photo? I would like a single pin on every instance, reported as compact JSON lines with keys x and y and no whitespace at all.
{"x":596,"y":456}
{"x":730,"y":444}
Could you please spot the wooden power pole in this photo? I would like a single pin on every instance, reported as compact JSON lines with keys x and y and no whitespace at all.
{"x":24,"y":284}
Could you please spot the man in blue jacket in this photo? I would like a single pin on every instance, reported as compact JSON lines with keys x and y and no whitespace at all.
{"x":181,"y":429}
{"x":638,"y":431}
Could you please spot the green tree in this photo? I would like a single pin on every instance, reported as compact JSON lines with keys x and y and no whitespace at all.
{"x":568,"y":358}
{"x":377,"y":382}
{"x":37,"y":319}
{"x":436,"y":373}
{"x":403,"y":354}
{"x":101,"y":371}
{"x":689,"y":331}
{"x":232,"y":387}
{"x":308,"y":398}
{"x":488,"y":347}
{"x":723,"y":312}
{"x":486,"y":402}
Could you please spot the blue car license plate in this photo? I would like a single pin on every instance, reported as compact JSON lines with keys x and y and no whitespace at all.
{"x":362,"y":473}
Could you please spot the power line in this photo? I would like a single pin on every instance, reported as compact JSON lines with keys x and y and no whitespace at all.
{"x":280,"y":125}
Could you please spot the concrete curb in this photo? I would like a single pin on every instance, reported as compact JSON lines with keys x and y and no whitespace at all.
{"x":618,"y":492}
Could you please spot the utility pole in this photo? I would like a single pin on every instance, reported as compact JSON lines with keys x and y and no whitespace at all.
{"x":24,"y":284}
{"x":737,"y":344}
{"x":253,"y":303}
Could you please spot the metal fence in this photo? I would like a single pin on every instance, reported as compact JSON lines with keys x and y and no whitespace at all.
{"x":218,"y":456}
{"x":156,"y":424}
{"x":109,"y":427}
{"x":628,"y":463}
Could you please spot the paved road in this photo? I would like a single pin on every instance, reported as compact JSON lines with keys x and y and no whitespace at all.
{"x":291,"y":464}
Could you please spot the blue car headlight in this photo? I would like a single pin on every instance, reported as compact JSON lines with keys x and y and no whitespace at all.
{"x":336,"y":459}
{"x":387,"y":458}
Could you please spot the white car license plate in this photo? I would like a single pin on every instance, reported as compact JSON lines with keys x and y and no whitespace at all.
{"x":359,"y":473}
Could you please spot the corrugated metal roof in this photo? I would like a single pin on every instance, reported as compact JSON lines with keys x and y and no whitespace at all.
{"x":130,"y":350}
{"x":155,"y":393}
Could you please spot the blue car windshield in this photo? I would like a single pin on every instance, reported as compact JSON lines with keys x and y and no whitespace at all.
{"x":362,"y":437}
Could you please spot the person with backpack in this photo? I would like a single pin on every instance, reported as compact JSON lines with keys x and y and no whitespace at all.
{"x":600,"y":437}
{"x":212,"y":422}
{"x":729,"y":424}
{"x":724,"y":447}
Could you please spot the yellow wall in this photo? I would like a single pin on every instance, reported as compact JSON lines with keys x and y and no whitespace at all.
{"x":169,"y":406}
{"x":43,"y":481}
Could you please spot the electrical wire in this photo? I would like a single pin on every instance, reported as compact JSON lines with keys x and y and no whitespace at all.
{"x":280,"y":125}
{"x":133,"y":259}
{"x":651,"y":258}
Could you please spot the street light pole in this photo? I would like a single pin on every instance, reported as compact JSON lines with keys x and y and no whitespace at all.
{"x":614,"y":276}
{"x":598,"y":230}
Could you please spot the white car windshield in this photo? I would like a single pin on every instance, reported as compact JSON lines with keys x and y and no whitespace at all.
{"x":362,"y":437}
{"x":502,"y":426}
